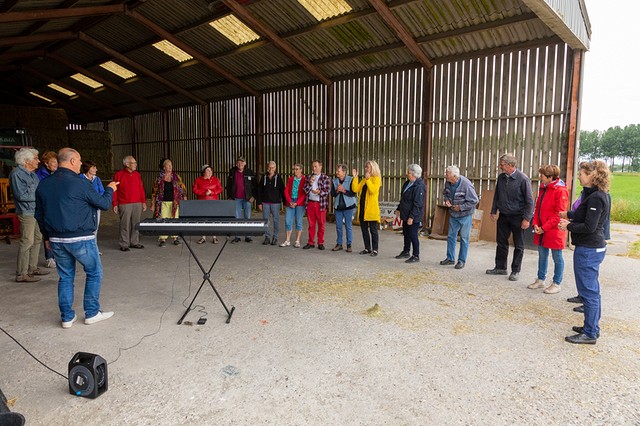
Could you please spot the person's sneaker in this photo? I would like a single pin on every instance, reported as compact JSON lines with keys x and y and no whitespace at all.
{"x":581,"y":339}
{"x":320,"y":246}
{"x":176,"y":242}
{"x":579,"y":309}
{"x":459,"y":265}
{"x":538,"y":283}
{"x":374,"y":253}
{"x":580,"y":330}
{"x":514,"y":276}
{"x":349,"y":249}
{"x":202,"y":240}
{"x":100,"y":316}
{"x":308,"y":246}
{"x":236,"y":240}
{"x":266,"y":241}
{"x":285,"y":244}
{"x":215,"y":240}
{"x":297,"y":244}
{"x":552,"y":289}
{"x":161,"y":243}
{"x":575,"y":299}
{"x":248,"y":239}
{"x":68,"y":324}
{"x":447,"y":262}
{"x":496,"y":271}
{"x":26,"y":278}
{"x":403,"y":255}
{"x":51,"y":263}
{"x":337,"y":247}
{"x":365,"y":251}
{"x":412,"y":259}
{"x":274,"y":242}
{"x":39,"y":271}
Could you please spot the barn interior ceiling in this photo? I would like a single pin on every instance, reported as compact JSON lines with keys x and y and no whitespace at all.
{"x":105,"y":59}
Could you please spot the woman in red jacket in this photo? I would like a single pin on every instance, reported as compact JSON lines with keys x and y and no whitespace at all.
{"x":207,"y":187}
{"x":553,"y":198}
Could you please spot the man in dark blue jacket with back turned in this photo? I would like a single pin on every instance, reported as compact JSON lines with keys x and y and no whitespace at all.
{"x":66,"y":206}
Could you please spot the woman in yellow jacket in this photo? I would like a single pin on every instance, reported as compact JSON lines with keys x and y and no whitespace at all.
{"x":368,"y":207}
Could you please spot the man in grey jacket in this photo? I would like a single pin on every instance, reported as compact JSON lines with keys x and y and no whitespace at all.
{"x":461,"y":198}
{"x":24,"y":182}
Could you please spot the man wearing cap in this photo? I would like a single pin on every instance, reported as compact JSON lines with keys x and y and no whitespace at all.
{"x":241,"y":187}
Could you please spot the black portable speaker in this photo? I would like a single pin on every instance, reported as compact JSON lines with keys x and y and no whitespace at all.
{"x":88,"y":375}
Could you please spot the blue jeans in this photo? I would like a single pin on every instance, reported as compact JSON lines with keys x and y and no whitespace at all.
{"x":462,"y":225}
{"x":347,"y":217}
{"x":543,"y":261}
{"x":66,"y":255}
{"x":290,"y":214}
{"x":243,"y":210}
{"x":271,"y":211}
{"x":586,"y":267}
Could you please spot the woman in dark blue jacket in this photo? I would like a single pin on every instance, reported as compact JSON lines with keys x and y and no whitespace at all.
{"x":586,"y":225}
{"x":410,"y":210}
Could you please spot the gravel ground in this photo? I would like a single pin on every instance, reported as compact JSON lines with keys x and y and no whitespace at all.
{"x":326,"y":338}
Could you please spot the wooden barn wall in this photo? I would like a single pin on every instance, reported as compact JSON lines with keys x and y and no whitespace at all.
{"x":186,"y":142}
{"x":121,"y":140}
{"x":515,"y":102}
{"x":295,"y":128}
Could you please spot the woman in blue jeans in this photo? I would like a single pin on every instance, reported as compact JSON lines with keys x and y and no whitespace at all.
{"x":294,"y":199}
{"x":586,"y":225}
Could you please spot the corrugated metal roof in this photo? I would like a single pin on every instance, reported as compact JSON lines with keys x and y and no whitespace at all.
{"x":358,"y":42}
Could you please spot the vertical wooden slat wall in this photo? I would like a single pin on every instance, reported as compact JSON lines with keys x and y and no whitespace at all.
{"x":120,"y":141}
{"x":512,"y":102}
{"x":186,"y":142}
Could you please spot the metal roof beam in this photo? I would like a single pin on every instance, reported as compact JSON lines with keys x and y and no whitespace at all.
{"x":40,"y":15}
{"x":73,"y":89}
{"x":120,"y":57}
{"x":283,"y":45}
{"x":106,"y":82}
{"x":199,"y":56}
{"x":407,"y":38}
{"x":38,"y":38}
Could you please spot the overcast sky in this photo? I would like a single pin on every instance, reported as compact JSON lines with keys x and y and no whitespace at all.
{"x":611,"y":86}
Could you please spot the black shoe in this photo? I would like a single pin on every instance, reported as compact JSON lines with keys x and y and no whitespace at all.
{"x":403,"y":255}
{"x":412,"y":259}
{"x":514,"y":276}
{"x":579,"y":309}
{"x":459,"y":265}
{"x":374,"y":253}
{"x":177,"y":242}
{"x":137,"y":246}
{"x":266,"y":241}
{"x":575,"y":299}
{"x":274,"y":242}
{"x":365,"y":251}
{"x":496,"y":271}
{"x":124,"y":248}
{"x":248,"y":239}
{"x":162,"y":243}
{"x":236,"y":240}
{"x":447,"y":262}
{"x":320,"y":246}
{"x":581,"y":339}
{"x":581,"y":329}
{"x":308,"y":246}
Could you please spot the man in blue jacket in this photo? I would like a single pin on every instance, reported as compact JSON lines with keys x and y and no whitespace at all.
{"x":66,"y":206}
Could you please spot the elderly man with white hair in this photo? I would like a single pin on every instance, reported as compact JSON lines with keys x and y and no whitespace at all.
{"x":24,"y":182}
{"x":129,"y":203}
{"x":461,"y":198}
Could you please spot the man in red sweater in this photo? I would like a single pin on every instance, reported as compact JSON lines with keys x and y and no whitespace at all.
{"x":129,"y":203}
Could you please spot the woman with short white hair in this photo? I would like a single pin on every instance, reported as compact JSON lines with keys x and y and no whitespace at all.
{"x":410,"y":210}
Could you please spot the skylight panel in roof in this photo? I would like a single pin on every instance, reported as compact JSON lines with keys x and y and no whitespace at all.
{"x":86,"y":80}
{"x":61,"y":89}
{"x":118,"y":70}
{"x":172,"y":50}
{"x":324,"y":9}
{"x":233,"y":29}
{"x":41,"y":97}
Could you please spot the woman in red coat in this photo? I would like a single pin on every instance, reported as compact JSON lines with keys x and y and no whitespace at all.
{"x":553,"y":198}
{"x":207,"y":187}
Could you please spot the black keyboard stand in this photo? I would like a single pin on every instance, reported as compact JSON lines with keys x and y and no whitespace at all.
{"x":206,"y":277}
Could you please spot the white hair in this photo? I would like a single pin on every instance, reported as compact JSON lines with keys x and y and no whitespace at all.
{"x":415,"y":170}
{"x":126,"y":159}
{"x":23,"y":155}
{"x":454,"y":170}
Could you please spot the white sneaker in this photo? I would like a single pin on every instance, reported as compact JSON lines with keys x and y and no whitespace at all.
{"x":538,"y":283}
{"x":202,"y":240}
{"x":68,"y":324}
{"x":552,"y":289}
{"x":297,"y":244}
{"x":51,"y":263}
{"x":100,"y":316}
{"x":285,"y":244}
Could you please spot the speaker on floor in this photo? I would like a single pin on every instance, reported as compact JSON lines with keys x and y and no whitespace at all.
{"x":88,"y":375}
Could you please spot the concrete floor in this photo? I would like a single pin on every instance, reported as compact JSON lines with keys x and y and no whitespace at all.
{"x":326,"y":338}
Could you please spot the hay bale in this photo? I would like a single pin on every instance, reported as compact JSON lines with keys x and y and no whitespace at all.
{"x":94,"y":145}
{"x":48,"y":139}
{"x":33,"y":117}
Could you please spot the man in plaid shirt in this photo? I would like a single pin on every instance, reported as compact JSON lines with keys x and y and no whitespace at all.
{"x":317,"y":187}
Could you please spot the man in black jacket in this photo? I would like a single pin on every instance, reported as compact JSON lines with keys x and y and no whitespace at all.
{"x":241,"y":187}
{"x":514,"y":200}
{"x":270,"y":196}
